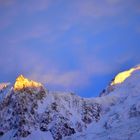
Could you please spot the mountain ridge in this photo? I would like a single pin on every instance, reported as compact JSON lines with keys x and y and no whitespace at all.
{"x":42,"y":114}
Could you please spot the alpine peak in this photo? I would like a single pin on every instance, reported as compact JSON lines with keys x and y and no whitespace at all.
{"x":121,"y":77}
{"x":22,"y":82}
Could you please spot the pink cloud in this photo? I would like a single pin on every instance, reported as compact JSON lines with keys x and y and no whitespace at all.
{"x":89,"y":66}
{"x":50,"y":71}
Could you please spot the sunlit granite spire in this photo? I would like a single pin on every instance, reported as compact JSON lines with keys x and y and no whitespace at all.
{"x":22,"y":82}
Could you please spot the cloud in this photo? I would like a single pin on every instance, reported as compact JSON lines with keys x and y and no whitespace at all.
{"x":7,"y":3}
{"x":33,"y":32}
{"x":33,"y":6}
{"x":79,"y":12}
{"x":5,"y":22}
{"x":95,"y":10}
{"x":27,"y":6}
{"x":137,"y":29}
{"x":11,"y":10}
{"x":7,"y":14}
{"x":71,"y":79}
{"x":68,"y":26}
{"x":51,"y":72}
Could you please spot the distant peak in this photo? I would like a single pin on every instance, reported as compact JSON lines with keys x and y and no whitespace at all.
{"x":22,"y":82}
{"x":4,"y":85}
{"x":21,"y":77}
{"x":121,"y":77}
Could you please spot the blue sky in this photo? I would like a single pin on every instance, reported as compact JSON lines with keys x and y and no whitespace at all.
{"x":73,"y":45}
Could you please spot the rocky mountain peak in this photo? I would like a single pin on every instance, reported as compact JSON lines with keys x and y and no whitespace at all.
{"x":119,"y":79}
{"x":3,"y":85}
{"x":22,"y":83}
{"x":122,"y":76}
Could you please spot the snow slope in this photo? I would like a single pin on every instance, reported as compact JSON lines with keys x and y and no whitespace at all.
{"x":121,"y":120}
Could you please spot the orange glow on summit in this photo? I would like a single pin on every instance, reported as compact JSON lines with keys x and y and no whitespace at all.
{"x":121,"y":77}
{"x":22,"y":82}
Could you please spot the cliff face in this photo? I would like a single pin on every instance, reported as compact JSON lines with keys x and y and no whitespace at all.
{"x":29,"y":111}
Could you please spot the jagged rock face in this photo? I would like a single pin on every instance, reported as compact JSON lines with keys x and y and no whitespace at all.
{"x":18,"y":112}
{"x":26,"y":109}
{"x":91,"y":112}
{"x":23,"y":115}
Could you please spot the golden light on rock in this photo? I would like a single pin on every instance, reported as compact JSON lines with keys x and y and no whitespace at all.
{"x":121,"y":77}
{"x":22,"y":82}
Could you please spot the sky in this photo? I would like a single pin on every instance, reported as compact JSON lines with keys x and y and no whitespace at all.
{"x":69,"y":45}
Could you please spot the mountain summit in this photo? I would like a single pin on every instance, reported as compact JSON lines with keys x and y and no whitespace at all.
{"x":22,"y":82}
{"x":65,"y":116}
{"x":121,"y":77}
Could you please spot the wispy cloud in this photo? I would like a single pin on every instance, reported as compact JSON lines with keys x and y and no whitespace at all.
{"x":76,"y":39}
{"x":70,"y":79}
{"x":35,"y":5}
{"x":33,"y":32}
{"x":7,"y":2}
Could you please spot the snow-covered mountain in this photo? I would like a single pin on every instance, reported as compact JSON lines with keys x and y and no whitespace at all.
{"x":29,"y":111}
{"x":119,"y":120}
